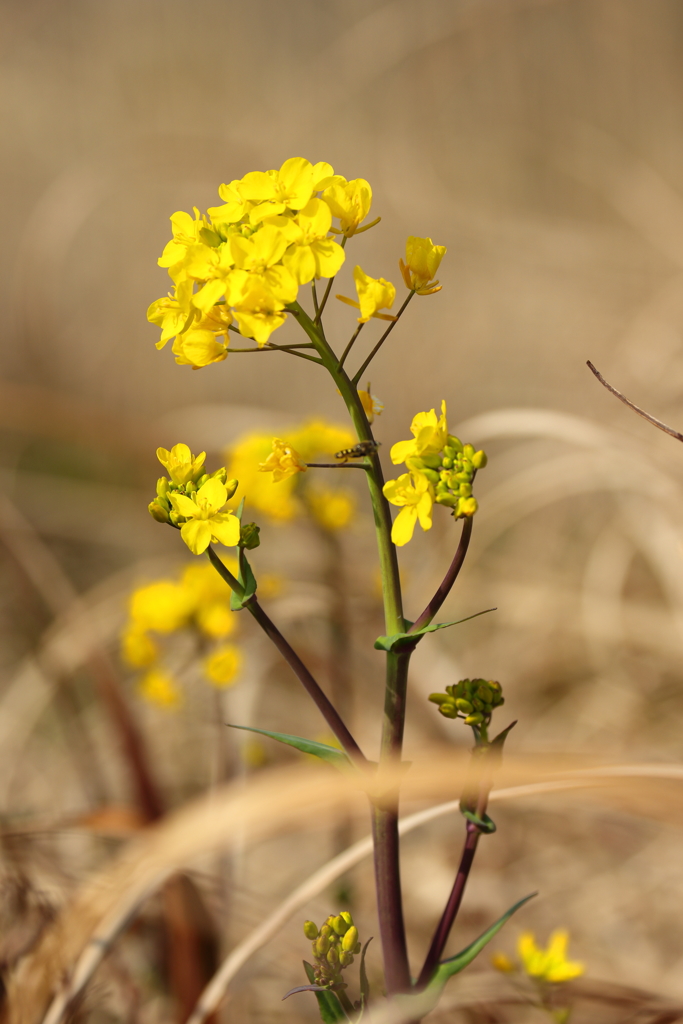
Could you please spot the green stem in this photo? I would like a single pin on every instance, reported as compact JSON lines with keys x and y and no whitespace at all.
{"x":385,"y":813}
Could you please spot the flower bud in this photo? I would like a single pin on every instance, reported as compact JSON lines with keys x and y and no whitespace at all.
{"x":340,"y":926}
{"x":350,"y":939}
{"x":449,"y":710}
{"x":357,"y":948}
{"x":190,"y":488}
{"x":326,"y":929}
{"x":483,"y":693}
{"x":346,"y":914}
{"x":175,"y":519}
{"x":438,"y":698}
{"x":249,"y":536}
{"x":455,"y":443}
{"x":465,"y":490}
{"x":468,"y":451}
{"x":346,"y":959}
{"x":310,"y":930}
{"x":449,"y":500}
{"x":476,"y":719}
{"x":431,"y":475}
{"x":231,"y":486}
{"x":202,"y":480}
{"x":332,"y":956}
{"x":158,"y":512}
{"x":447,"y":463}
{"x":321,"y":944}
{"x":467,"y":507}
{"x":219,"y":474}
{"x":162,"y":487}
{"x":464,"y":706}
{"x":479,"y":460}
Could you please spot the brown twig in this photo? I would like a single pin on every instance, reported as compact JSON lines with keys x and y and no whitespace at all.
{"x":636,"y":408}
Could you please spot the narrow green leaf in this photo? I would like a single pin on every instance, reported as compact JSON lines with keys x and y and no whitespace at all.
{"x":329,"y":1007}
{"x":402,"y":640}
{"x":326,"y":753}
{"x":246,"y":578}
{"x":447,"y":968}
{"x":364,"y":983}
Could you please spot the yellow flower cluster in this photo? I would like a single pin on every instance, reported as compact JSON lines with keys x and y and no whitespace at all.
{"x":244,"y":260}
{"x":198,"y":600}
{"x":270,"y":473}
{"x":440,"y":469}
{"x":550,"y":964}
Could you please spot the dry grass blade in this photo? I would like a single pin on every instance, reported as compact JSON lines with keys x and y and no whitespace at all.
{"x":631,"y":405}
{"x":274,"y":801}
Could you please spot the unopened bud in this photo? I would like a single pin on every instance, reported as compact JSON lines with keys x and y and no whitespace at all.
{"x":467,"y":507}
{"x":449,"y":710}
{"x":468,"y":451}
{"x":346,"y":914}
{"x":202,"y":480}
{"x":483,"y":693}
{"x":449,"y":500}
{"x":158,"y":512}
{"x":464,"y":706}
{"x":455,"y":443}
{"x":322,"y":944}
{"x":190,"y":488}
{"x":231,"y":486}
{"x":479,"y":460}
{"x":332,"y":956}
{"x":438,"y":698}
{"x":249,"y":536}
{"x":345,"y":959}
{"x":340,"y":926}
{"x":350,"y":939}
{"x":219,"y":474}
{"x":326,"y":929}
{"x":162,"y":487}
{"x":310,"y":930}
{"x":175,"y":518}
{"x":475,"y":719}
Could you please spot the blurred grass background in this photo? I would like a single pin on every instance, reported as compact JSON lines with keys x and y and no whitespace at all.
{"x":540,"y":140}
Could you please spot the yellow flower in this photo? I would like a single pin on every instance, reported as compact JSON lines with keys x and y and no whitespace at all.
{"x":283,"y":461}
{"x":374,"y":293}
{"x":137,"y":647}
{"x":159,"y":688}
{"x":186,"y":232}
{"x":260,"y":255}
{"x":173,"y":313}
{"x":331,"y":509}
{"x":416,"y":496}
{"x":290,"y":187}
{"x":430,"y":436}
{"x":197,"y":348}
{"x":503,"y":963}
{"x":422,"y":262}
{"x":223,"y":665}
{"x":350,"y":201}
{"x":257,"y":311}
{"x":207,"y":520}
{"x":180,"y":464}
{"x":372,"y":404}
{"x":313,"y":253}
{"x":216,"y":620}
{"x":320,"y":437}
{"x":163,"y":606}
{"x":549,"y":964}
{"x":264,"y":495}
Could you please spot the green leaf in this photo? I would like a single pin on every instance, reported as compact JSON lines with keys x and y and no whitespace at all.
{"x":484,"y":824}
{"x":455,"y":964}
{"x":246,"y":578}
{"x":364,"y":983}
{"x":326,"y":753}
{"x":399,"y":641}
{"x":328,"y":1005}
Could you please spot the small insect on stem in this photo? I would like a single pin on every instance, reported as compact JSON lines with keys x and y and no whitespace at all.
{"x":358,"y":451}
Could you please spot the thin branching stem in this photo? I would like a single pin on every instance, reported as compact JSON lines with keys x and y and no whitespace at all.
{"x":357,"y":376}
{"x":636,"y":408}
{"x":314,"y":292}
{"x":449,"y":579}
{"x":348,"y":348}
{"x":311,"y":685}
{"x":338,"y":465}
{"x":326,"y":295}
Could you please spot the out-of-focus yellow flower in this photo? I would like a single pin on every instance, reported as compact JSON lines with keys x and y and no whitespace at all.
{"x":331,"y":509}
{"x":180,"y":464}
{"x":415,"y":495}
{"x":223,"y":665}
{"x":350,"y":201}
{"x":430,"y":436}
{"x":320,"y":437}
{"x":313,"y":254}
{"x":548,"y":964}
{"x":503,"y":963}
{"x":198,"y":348}
{"x":138,"y":650}
{"x":374,"y":293}
{"x":163,"y":606}
{"x":422,"y":262}
{"x":253,"y":752}
{"x":160,"y":688}
{"x":372,"y":404}
{"x":270,"y":584}
{"x":283,"y":461}
{"x":216,"y":620}
{"x":206,"y":517}
{"x":243,"y":460}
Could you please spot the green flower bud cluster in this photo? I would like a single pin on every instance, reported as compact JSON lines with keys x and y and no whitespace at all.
{"x":452,"y":473}
{"x":249,"y":536}
{"x":162,"y":510}
{"x":334,"y":947}
{"x":471,"y":699}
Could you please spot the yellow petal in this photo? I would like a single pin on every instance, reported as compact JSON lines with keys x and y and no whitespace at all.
{"x":225,"y":528}
{"x":404,"y":524}
{"x":184,"y":506}
{"x":197,"y":535}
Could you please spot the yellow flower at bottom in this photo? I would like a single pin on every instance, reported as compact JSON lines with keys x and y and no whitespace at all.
{"x":430,"y":434}
{"x":198,"y":348}
{"x":206,"y":519}
{"x":163,"y":606}
{"x":416,"y":496}
{"x":549,"y":964}
{"x":216,"y":620}
{"x":283,"y":461}
{"x":159,"y":688}
{"x":223,"y":665}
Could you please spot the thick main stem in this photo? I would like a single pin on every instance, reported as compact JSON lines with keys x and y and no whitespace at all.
{"x":384,"y":811}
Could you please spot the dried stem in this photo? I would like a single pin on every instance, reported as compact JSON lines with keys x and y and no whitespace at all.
{"x":636,"y":408}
